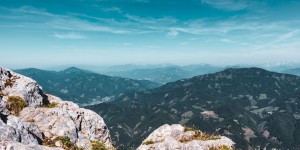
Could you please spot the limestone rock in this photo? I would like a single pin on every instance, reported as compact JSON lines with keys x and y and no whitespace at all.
{"x":68,"y":119}
{"x":18,"y":131}
{"x":13,"y":84}
{"x":170,"y":137}
{"x":39,"y":121}
{"x":5,"y":145}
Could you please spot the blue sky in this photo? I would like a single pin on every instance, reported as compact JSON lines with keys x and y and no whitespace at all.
{"x":35,"y":33}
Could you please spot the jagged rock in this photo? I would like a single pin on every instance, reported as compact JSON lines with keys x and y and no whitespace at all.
{"x":16,"y":130}
{"x":67,"y":119}
{"x":5,"y":145}
{"x":45,"y":117}
{"x":173,"y":137}
{"x":13,"y":84}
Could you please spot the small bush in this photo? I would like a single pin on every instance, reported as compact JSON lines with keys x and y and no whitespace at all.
{"x":67,"y":143}
{"x":224,"y":147}
{"x":15,"y":104}
{"x":148,"y":142}
{"x":198,"y":135}
{"x":50,"y":105}
{"x":189,"y":129}
{"x":97,"y":145}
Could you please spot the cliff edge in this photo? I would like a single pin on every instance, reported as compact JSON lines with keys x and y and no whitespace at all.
{"x":31,"y":119}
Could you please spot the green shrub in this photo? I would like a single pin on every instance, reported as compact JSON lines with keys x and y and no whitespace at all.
{"x":97,"y":145}
{"x":67,"y":143}
{"x":15,"y":104}
{"x":198,"y":135}
{"x":148,"y":142}
{"x":189,"y":129}
{"x":224,"y":147}
{"x":50,"y":105}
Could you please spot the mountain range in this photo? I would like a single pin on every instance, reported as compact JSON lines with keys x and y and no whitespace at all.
{"x":254,"y":107}
{"x":85,"y":87}
{"x":260,"y":104}
{"x":166,"y":74}
{"x":33,"y":120}
{"x":294,"y":71}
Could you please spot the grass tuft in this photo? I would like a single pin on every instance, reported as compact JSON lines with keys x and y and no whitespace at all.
{"x":67,"y":143}
{"x":198,"y":135}
{"x":222,"y":147}
{"x":30,"y":120}
{"x":148,"y":142}
{"x":50,"y":105}
{"x":15,"y":104}
{"x":97,"y":145}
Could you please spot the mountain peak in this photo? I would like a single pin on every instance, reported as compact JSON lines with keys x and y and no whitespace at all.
{"x":252,"y":69}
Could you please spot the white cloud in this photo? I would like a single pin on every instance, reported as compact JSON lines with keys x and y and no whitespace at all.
{"x":287,"y":36}
{"x":172,"y":33}
{"x":227,"y":40}
{"x":230,"y":5}
{"x":35,"y":18}
{"x":70,"y":35}
{"x":112,"y":9}
{"x":276,"y":43}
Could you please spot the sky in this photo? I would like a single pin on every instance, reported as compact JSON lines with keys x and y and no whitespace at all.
{"x":35,"y":33}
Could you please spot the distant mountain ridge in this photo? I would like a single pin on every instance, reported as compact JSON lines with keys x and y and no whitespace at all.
{"x":166,"y":74}
{"x":84,"y":87}
{"x":254,"y":107}
{"x":295,"y":71}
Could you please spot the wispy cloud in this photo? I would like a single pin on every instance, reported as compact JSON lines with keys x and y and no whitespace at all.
{"x":231,"y":5}
{"x":172,"y":33}
{"x":41,"y":19}
{"x":286,"y":36}
{"x":281,"y":38}
{"x":227,"y":41}
{"x":112,"y":9}
{"x":70,"y":35}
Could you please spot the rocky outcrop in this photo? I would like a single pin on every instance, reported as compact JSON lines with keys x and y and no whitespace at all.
{"x":5,"y":145}
{"x":177,"y":137}
{"x":44,"y":119}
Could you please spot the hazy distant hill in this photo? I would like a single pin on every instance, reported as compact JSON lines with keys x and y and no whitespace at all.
{"x":84,"y":87}
{"x":254,"y":107}
{"x":295,"y":71}
{"x":166,"y":74}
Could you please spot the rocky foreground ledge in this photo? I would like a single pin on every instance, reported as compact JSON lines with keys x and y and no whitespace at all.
{"x":178,"y":137}
{"x":31,"y":119}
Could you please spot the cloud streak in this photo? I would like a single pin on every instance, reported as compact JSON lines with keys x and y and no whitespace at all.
{"x":40,"y":19}
{"x":229,"y":5}
{"x":70,"y":35}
